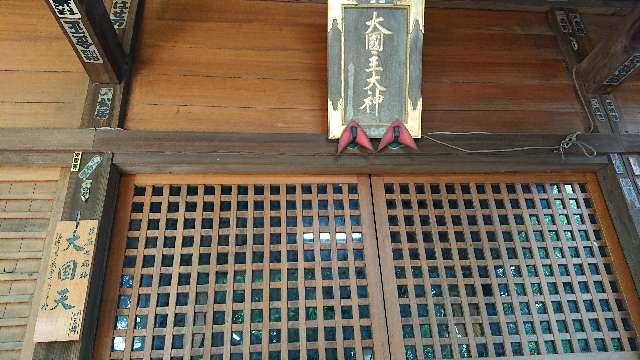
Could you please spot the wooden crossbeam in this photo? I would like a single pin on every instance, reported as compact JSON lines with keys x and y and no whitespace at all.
{"x":90,"y":32}
{"x":613,"y":60}
{"x":143,"y":143}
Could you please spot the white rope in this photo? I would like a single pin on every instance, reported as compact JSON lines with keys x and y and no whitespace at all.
{"x":568,"y":142}
{"x":584,"y":104}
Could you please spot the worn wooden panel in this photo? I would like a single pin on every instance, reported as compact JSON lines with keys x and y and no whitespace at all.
{"x":29,"y":199}
{"x":264,"y":70}
{"x":43,"y":84}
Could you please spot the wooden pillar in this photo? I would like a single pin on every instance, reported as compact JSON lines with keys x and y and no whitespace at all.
{"x":613,"y":60}
{"x":99,"y":205}
{"x":88,"y":28}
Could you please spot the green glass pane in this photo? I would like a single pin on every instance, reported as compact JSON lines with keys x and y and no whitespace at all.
{"x":537,"y":235}
{"x":347,"y":312}
{"x":428,"y":352}
{"x":311,"y":313}
{"x":425,"y":331}
{"x":221,"y":277}
{"x":274,"y":336}
{"x":553,"y":235}
{"x":292,"y":294}
{"x":568,"y":235}
{"x":239,"y":277}
{"x":256,"y":337}
{"x":559,"y":204}
{"x":410,"y":353}
{"x":293,"y":335}
{"x":274,"y":315}
{"x":573,"y":204}
{"x":616,"y":344}
{"x":522,"y":236}
{"x":528,"y":328}
{"x":292,"y":274}
{"x":238,"y":296}
{"x":533,"y":348}
{"x":567,"y":347}
{"x":257,"y":276}
{"x":293,"y":314}
{"x":275,"y":275}
{"x":329,"y":313}
{"x":309,"y":274}
{"x":534,"y":220}
{"x":312,"y":334}
{"x":256,"y":316}
{"x":562,"y":219}
{"x":447,"y":351}
{"x":536,"y":289}
{"x":237,"y":317}
{"x":407,"y":332}
{"x":550,"y":347}
{"x":256,"y":295}
{"x":220,"y":297}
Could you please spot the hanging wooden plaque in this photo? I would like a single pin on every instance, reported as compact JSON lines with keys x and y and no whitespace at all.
{"x":63,"y":302}
{"x":375,"y":64}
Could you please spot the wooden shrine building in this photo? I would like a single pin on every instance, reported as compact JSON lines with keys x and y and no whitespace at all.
{"x":170,"y":185}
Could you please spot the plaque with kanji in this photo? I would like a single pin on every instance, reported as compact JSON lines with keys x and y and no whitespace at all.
{"x":375,"y":65}
{"x":63,"y":299}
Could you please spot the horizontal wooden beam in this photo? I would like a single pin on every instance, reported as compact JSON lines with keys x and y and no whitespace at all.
{"x":144,"y":151}
{"x":591,"y":6}
{"x":331,"y":164}
{"x":144,"y":142}
{"x":613,"y":60}
{"x":88,"y":28}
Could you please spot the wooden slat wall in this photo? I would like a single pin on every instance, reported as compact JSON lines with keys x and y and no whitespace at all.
{"x":29,"y":199}
{"x":255,"y":66}
{"x":43,"y":84}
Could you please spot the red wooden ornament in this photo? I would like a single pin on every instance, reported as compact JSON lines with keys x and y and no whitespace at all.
{"x":353,"y":136}
{"x":397,"y":135}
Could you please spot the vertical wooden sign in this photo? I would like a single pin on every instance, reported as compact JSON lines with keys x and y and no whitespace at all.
{"x":375,"y":64}
{"x":63,"y":301}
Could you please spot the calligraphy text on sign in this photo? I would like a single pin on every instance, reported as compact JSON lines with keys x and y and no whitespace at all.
{"x":374,"y":64}
{"x":71,"y":20}
{"x":67,"y":280}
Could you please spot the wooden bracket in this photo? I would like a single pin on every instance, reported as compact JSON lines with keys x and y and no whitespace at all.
{"x":613,"y":60}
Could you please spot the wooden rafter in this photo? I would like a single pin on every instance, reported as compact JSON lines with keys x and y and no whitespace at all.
{"x":613,"y":60}
{"x":88,"y":28}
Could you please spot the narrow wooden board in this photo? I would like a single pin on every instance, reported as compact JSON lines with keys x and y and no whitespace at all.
{"x":62,"y":308}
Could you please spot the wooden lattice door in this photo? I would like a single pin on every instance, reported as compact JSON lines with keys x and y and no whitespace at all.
{"x":239,"y":267}
{"x":517,"y":266}
{"x":244,"y":268}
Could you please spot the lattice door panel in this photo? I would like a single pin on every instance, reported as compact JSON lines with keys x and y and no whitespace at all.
{"x":502,"y":266}
{"x":243,"y":268}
